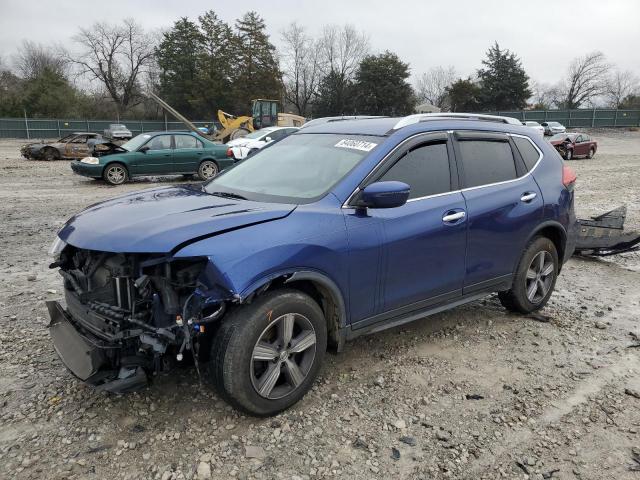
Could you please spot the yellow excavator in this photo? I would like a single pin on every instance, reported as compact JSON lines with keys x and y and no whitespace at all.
{"x":264,"y":113}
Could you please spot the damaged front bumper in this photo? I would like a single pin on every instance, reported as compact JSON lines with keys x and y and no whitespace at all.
{"x":604,"y":235}
{"x":87,"y":358}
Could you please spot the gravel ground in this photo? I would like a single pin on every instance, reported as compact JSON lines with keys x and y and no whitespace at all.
{"x":471,"y":393}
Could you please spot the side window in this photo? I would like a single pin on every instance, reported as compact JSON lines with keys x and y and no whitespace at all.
{"x":579,"y":139}
{"x":425,"y":169}
{"x":186,"y":141}
{"x":161,"y":142}
{"x":486,"y":162}
{"x":527,"y":151}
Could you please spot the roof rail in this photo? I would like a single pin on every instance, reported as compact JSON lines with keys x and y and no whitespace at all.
{"x":321,"y":120}
{"x":420,"y":117}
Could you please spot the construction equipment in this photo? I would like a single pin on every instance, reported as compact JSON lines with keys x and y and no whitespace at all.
{"x":264,"y":113}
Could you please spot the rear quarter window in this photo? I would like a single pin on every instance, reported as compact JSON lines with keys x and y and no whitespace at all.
{"x":486,"y":162}
{"x":528,"y":152}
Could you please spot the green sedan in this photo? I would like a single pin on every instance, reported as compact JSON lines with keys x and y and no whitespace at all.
{"x":155,"y":153}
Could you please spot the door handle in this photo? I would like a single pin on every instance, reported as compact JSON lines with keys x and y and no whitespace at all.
{"x":528,"y":196}
{"x":452,"y":217}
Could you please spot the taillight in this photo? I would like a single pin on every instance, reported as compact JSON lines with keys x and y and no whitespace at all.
{"x":229,"y":153}
{"x":568,"y":176}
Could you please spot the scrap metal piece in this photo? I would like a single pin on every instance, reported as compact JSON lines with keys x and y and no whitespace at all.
{"x":604,"y":235}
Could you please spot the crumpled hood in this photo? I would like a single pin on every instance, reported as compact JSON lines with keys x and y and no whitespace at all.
{"x":160,"y":219}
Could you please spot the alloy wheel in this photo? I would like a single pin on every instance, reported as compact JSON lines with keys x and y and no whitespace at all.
{"x":539,"y":276}
{"x":209,"y":170}
{"x":116,"y":174}
{"x":283,"y":355}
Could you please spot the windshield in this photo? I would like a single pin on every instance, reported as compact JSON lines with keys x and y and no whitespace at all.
{"x":136,"y":142}
{"x":259,"y":133}
{"x":554,"y":124}
{"x":121,"y":127}
{"x":298,"y":169}
{"x":532,"y":124}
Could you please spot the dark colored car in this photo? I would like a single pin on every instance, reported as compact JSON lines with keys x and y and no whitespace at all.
{"x":75,"y":145}
{"x":571,"y":145}
{"x":352,"y":227}
{"x":155,"y":153}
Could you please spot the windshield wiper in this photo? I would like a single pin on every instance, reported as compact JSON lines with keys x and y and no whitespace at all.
{"x":228,"y":195}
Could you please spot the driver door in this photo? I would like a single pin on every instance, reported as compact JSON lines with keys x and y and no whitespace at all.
{"x":157,"y":160}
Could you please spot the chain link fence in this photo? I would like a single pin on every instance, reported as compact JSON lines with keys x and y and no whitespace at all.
{"x":37,"y":128}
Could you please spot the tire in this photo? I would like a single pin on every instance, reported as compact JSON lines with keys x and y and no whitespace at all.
{"x":522,"y":297}
{"x":240,"y":371}
{"x":50,"y":154}
{"x":115,"y":174}
{"x":568,"y":154}
{"x":591,"y":153}
{"x":207,"y":170}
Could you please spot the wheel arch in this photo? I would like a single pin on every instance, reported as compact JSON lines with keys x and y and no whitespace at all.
{"x":555,"y":232}
{"x":318,"y":286}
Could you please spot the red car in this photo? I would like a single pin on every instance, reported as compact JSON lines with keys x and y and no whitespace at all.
{"x":571,"y":145}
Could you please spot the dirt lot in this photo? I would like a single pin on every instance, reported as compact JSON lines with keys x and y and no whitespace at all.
{"x":471,"y":393}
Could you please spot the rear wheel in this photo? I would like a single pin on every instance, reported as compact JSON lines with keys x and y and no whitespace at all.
{"x":115,"y":174}
{"x":535,"y":278}
{"x":267,"y":354}
{"x":591,"y":153}
{"x":208,"y":169}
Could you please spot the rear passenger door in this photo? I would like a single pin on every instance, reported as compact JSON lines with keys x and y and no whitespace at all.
{"x":187,"y":153}
{"x":504,"y":204}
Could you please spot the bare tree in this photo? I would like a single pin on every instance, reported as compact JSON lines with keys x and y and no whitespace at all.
{"x":117,"y":56}
{"x":300,"y":67}
{"x":543,"y":95}
{"x":586,"y":79}
{"x":620,"y":85}
{"x":342,"y":49}
{"x":432,"y":86}
{"x":33,"y":59}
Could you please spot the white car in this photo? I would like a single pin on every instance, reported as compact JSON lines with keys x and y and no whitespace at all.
{"x":117,"y":131}
{"x":535,"y":125}
{"x":240,"y":148}
{"x":551,"y":128}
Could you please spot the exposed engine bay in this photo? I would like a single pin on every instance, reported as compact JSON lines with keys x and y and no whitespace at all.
{"x":130,"y":317}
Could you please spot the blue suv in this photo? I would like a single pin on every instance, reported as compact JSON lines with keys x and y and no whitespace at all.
{"x":344,"y":228}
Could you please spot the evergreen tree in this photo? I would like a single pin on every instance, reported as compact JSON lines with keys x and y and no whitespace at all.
{"x":42,"y":95}
{"x":335,"y":96}
{"x":177,"y":56}
{"x":216,"y":66}
{"x":257,"y":74}
{"x":464,"y":96}
{"x":504,"y":83}
{"x":381,"y":83}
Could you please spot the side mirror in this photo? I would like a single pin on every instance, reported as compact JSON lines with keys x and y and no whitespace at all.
{"x":385,"y":195}
{"x":267,"y":139}
{"x":144,"y":149}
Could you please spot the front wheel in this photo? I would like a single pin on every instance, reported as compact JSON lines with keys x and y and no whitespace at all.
{"x":535,"y":278}
{"x":50,"y":154}
{"x":115,"y":174}
{"x":568,"y":154}
{"x":266,"y":355}
{"x":207,"y":169}
{"x":591,"y":153}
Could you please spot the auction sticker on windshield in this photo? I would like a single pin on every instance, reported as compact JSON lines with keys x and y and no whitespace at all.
{"x":356,"y":145}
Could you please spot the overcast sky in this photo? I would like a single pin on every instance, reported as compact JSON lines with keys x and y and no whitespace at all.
{"x":545,"y":34}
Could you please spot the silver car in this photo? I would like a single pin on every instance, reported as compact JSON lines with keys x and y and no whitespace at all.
{"x":551,"y":128}
{"x":117,"y":131}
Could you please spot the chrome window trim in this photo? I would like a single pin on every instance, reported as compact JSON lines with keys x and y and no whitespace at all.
{"x":541,"y":155}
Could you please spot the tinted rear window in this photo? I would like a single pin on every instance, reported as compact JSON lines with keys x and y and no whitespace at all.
{"x":527,"y":151}
{"x":486,"y":162}
{"x":425,"y":169}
